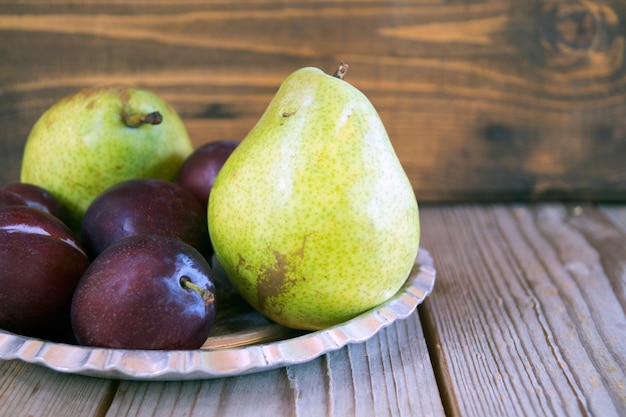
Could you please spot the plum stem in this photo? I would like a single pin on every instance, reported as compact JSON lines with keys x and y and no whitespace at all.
{"x":341,"y":71}
{"x":207,"y":296}
{"x":134,"y":120}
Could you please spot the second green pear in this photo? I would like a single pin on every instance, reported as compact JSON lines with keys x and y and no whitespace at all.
{"x":100,"y":136}
{"x":313,"y":217}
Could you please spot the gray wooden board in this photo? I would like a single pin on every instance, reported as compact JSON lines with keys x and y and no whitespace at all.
{"x":527,"y":317}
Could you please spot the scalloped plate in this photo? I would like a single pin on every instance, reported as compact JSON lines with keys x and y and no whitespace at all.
{"x":259,"y":346}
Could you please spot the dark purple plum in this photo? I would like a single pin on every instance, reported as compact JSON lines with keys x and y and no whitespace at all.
{"x":9,"y":198}
{"x":41,"y":263}
{"x":145,"y":206}
{"x":198,"y":172}
{"x":145,"y":292}
{"x":37,"y":197}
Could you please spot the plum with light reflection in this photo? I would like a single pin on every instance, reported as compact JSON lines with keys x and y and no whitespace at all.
{"x":41,"y":262}
{"x":37,"y":197}
{"x":145,"y":292}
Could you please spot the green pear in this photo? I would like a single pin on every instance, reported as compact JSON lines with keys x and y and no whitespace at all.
{"x":312,"y":217}
{"x":98,"y":137}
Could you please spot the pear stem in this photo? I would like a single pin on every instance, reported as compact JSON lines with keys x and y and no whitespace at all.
{"x":134,"y":120}
{"x":341,"y":71}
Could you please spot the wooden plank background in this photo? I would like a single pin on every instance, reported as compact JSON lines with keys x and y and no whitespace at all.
{"x":483,"y":100}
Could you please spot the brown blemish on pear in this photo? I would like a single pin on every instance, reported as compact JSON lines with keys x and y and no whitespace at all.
{"x":279,"y":278}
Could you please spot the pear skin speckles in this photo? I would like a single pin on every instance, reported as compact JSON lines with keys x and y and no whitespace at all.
{"x":312,"y":216}
{"x":80,"y":146}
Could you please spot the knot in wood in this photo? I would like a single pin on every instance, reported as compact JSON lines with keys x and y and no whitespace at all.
{"x":576,"y":30}
{"x":572,"y":27}
{"x":581,"y":39}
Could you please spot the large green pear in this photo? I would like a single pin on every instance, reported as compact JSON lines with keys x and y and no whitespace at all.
{"x":100,"y":136}
{"x":312,"y":216}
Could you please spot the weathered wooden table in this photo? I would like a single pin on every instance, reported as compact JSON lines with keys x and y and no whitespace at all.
{"x":484,"y":101}
{"x":527,"y":319}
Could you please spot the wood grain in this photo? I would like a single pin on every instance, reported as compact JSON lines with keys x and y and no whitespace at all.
{"x":616,"y":214}
{"x":528,"y":313}
{"x":482,"y":100}
{"x":30,"y":390}
{"x":389,"y":375}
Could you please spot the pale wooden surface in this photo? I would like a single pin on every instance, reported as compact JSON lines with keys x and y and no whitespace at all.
{"x":482,"y":99}
{"x":527,"y":319}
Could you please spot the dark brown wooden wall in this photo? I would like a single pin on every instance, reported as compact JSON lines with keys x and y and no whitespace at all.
{"x":500,"y":99}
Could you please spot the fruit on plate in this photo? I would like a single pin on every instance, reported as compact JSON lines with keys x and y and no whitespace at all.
{"x":41,"y":263}
{"x":145,"y":292}
{"x":98,"y":137}
{"x":9,"y":198}
{"x":144,"y":206}
{"x":313,"y":217}
{"x":201,"y":167}
{"x":37,"y":197}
